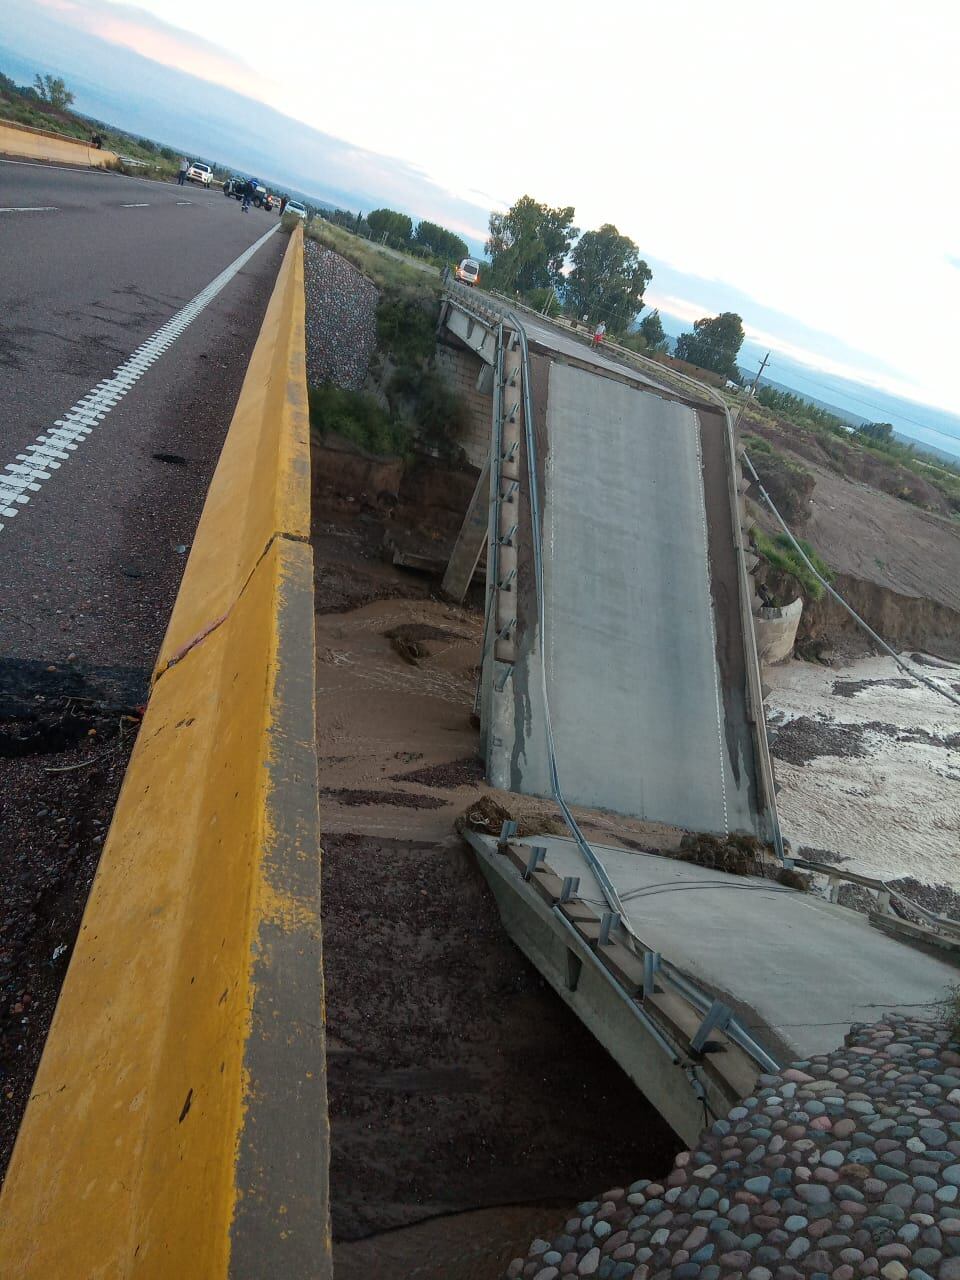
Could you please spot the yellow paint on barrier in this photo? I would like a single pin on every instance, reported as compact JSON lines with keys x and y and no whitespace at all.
{"x":262,"y":484}
{"x":34,"y":144}
{"x":178,"y":1121}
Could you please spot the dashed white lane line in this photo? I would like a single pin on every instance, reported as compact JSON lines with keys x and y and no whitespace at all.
{"x":29,"y":470}
{"x":134,"y":206}
{"x":32,"y":208}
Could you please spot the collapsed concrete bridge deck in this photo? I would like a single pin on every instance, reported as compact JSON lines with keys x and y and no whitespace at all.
{"x":620,"y":673}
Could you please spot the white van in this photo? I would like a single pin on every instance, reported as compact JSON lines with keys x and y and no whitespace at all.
{"x":468,"y":271}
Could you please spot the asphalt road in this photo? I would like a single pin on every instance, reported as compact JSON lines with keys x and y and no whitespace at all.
{"x":541,"y":333}
{"x":94,"y":264}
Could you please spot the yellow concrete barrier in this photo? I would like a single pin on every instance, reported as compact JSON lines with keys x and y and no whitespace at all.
{"x":43,"y":144}
{"x":178,"y":1126}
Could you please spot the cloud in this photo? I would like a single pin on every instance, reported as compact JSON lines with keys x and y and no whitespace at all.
{"x":689,"y":311}
{"x":143,"y":33}
{"x":804,"y":178}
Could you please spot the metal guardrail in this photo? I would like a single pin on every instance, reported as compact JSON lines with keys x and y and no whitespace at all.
{"x":886,"y":893}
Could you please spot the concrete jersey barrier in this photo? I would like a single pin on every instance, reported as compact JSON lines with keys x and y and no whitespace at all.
{"x":44,"y":144}
{"x":178,"y":1121}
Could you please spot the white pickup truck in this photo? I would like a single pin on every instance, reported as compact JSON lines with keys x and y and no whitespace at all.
{"x":200,"y":173}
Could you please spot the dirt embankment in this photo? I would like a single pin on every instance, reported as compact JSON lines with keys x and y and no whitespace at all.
{"x":905,"y":622}
{"x":849,"y":461}
{"x":897,"y":565}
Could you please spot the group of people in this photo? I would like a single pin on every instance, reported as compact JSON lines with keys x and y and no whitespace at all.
{"x":247,"y":191}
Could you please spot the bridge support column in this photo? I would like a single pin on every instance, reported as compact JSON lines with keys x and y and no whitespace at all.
{"x":470,"y":540}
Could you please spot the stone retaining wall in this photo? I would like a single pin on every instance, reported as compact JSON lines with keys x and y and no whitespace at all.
{"x":460,"y":369}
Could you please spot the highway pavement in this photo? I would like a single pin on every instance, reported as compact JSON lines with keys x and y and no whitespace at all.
{"x":548,"y":337}
{"x":102,"y":273}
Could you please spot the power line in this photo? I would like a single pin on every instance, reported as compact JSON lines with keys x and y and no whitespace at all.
{"x":869,"y":404}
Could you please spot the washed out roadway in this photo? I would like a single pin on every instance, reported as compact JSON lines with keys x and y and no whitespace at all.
{"x":92,"y":563}
{"x":644,"y":653}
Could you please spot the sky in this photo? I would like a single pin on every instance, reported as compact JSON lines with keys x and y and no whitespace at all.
{"x":793,"y":161}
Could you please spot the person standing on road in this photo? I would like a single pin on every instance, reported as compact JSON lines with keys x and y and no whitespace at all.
{"x":182,"y":175}
{"x":599,"y":333}
{"x":248,"y":190}
{"x":283,"y":204}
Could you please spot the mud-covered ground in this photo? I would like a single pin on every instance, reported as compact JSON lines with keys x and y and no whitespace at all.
{"x":461,"y":1088}
{"x":868,"y":763}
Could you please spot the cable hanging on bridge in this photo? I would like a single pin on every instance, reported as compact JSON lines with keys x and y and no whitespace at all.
{"x":914,"y":675}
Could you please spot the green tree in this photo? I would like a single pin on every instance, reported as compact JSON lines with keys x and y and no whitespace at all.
{"x":879,"y":433}
{"x":528,"y":245}
{"x":440,"y":241}
{"x":714,"y":344}
{"x":651,"y":331}
{"x":396,"y":227}
{"x":607,"y":279}
{"x":53,"y":90}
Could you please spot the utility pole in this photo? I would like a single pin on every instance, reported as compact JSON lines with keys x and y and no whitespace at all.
{"x":753,"y":389}
{"x":763,"y":365}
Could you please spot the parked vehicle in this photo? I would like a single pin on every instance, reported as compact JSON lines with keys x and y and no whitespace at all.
{"x":261,"y":197}
{"x":199,"y":172}
{"x":294,"y":206}
{"x":468,"y":271}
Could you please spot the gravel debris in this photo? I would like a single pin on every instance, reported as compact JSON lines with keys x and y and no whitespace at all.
{"x":848,"y":688}
{"x":804,"y":739}
{"x":844,"y":1165}
{"x":341,"y":319}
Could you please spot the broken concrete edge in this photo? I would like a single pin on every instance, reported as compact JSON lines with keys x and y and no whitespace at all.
{"x":755,"y":708}
{"x":178,"y":1123}
{"x":649,"y":1039}
{"x":282,"y":1218}
{"x":777,"y":631}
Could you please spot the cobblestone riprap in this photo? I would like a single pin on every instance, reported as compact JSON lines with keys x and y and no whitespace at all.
{"x":341,"y":319}
{"x":845,"y":1165}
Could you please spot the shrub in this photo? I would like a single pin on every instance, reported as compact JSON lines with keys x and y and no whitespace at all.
{"x":788,"y":483}
{"x":780,"y":553}
{"x":756,"y":444}
{"x":406,"y":324}
{"x":357,"y":417}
